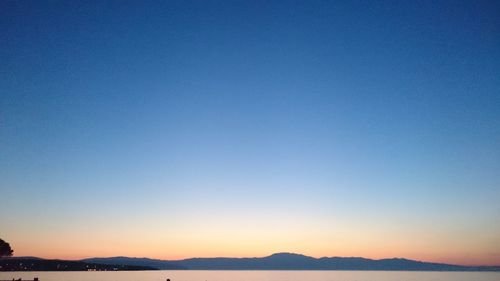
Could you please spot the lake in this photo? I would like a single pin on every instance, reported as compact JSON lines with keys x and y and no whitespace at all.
{"x":254,"y":275}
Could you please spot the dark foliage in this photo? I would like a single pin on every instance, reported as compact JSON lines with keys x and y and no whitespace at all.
{"x":5,"y":249}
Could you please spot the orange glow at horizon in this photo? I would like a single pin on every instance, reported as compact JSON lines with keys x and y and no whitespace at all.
{"x":252,"y":234}
{"x":175,"y":250}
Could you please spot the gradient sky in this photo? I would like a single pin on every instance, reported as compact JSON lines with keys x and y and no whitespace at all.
{"x":242,"y":128}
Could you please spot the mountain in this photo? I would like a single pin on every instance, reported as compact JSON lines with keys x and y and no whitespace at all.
{"x":38,"y":264}
{"x":290,"y":261}
{"x":158,"y":264}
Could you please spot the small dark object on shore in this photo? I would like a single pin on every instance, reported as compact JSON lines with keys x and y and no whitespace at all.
{"x":20,"y":279}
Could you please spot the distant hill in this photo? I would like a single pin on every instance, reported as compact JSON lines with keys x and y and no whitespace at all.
{"x":37,"y":264}
{"x":158,"y":264}
{"x":290,"y":261}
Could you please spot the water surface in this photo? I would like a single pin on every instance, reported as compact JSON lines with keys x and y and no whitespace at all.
{"x":254,"y":275}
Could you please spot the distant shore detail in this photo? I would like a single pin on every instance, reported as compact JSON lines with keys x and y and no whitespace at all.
{"x":278,"y":261}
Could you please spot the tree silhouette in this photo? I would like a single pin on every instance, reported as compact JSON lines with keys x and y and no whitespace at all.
{"x":5,"y":249}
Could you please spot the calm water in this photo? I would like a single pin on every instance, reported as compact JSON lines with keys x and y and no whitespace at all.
{"x":238,"y":275}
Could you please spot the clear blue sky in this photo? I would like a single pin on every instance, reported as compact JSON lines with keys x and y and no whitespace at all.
{"x":246,"y":127}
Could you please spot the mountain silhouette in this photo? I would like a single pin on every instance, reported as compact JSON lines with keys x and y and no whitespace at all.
{"x":38,"y":264}
{"x":291,"y":261}
{"x":154,"y":263}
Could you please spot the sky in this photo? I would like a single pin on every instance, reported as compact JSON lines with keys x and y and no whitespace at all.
{"x":175,"y":129}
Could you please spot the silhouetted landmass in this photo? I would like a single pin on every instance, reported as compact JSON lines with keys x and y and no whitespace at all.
{"x":158,"y":264}
{"x":37,"y":264}
{"x":288,"y":261}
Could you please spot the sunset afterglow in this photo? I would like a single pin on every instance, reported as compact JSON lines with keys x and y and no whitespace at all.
{"x":172,"y":130}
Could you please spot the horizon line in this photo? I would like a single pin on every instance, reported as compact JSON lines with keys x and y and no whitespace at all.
{"x":250,"y":257}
